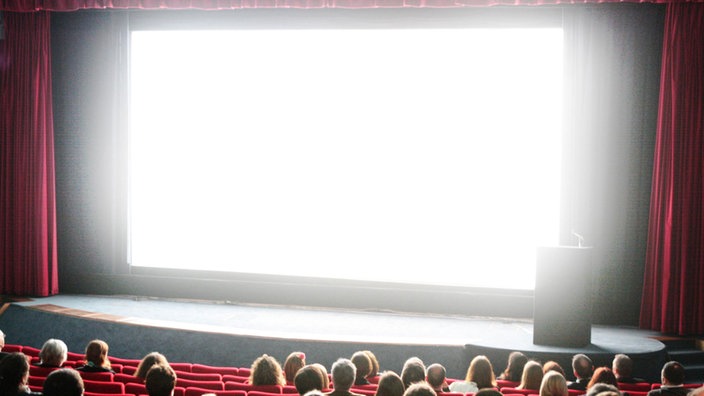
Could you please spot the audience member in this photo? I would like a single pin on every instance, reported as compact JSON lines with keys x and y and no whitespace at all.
{"x":96,"y":358}
{"x":14,"y":373}
{"x":553,"y":366}
{"x":603,"y":390}
{"x":532,"y":376}
{"x":553,"y":384}
{"x":324,"y":373}
{"x":266,"y":371}
{"x":622,"y":367}
{"x":160,"y":380}
{"x":390,"y":384}
{"x":147,"y":362}
{"x":672,"y":377}
{"x":514,"y":367}
{"x":602,"y":375}
{"x":436,"y":377}
{"x":375,"y":365}
{"x":53,"y":353}
{"x":308,"y":378}
{"x":294,"y":362}
{"x":363,"y":364}
{"x":697,"y":392}
{"x":480,"y":374}
{"x":582,"y":367}
{"x":413,"y":371}
{"x":343,"y":374}
{"x":2,"y":345}
{"x":63,"y":382}
{"x":419,"y":389}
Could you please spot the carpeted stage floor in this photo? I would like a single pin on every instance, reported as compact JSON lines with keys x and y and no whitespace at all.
{"x":223,"y":333}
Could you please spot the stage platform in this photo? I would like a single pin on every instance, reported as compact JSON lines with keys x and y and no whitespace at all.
{"x":225,"y":333}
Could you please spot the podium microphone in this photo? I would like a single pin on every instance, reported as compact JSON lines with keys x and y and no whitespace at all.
{"x":580,"y":239}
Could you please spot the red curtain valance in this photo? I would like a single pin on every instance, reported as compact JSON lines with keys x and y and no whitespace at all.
{"x":74,"y":5}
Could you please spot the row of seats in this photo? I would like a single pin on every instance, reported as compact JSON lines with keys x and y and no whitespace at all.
{"x":194,"y":379}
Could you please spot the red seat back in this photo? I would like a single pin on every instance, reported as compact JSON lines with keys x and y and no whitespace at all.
{"x":202,"y":368}
{"x":97,"y":376}
{"x":10,"y":348}
{"x":191,"y":391}
{"x":104,"y":387}
{"x":519,"y":391}
{"x":37,"y":371}
{"x":181,"y":366}
{"x":199,"y":376}
{"x":213,"y":385}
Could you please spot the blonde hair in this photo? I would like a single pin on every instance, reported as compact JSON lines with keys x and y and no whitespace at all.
{"x":553,"y":384}
{"x":532,"y":376}
{"x":266,"y":371}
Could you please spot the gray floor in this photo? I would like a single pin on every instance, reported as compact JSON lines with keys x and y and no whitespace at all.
{"x":307,"y":323}
{"x":222,"y":333}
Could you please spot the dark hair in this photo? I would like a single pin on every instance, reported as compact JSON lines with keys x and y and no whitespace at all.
{"x":514,"y":367}
{"x":673,"y":372}
{"x":582,"y":366}
{"x":147,"y":362}
{"x":390,"y":384}
{"x":413,"y":371}
{"x":420,"y":389}
{"x":294,"y":362}
{"x":63,"y":382}
{"x":435,"y":375}
{"x":308,"y":378}
{"x":160,"y":380}
{"x":13,"y":370}
{"x":481,"y":372}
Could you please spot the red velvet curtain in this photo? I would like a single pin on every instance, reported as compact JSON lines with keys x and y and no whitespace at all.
{"x":673,"y":296}
{"x":28,"y":257}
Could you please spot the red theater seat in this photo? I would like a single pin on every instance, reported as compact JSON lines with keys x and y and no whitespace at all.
{"x":191,"y":391}
{"x":181,"y":366}
{"x":199,"y":376}
{"x":99,"y":376}
{"x":10,"y":348}
{"x":202,"y":368}
{"x":37,"y":371}
{"x":519,"y":391}
{"x":36,"y":381}
{"x":506,"y":384}
{"x":212,"y":385}
{"x":30,"y":351}
{"x":104,"y":387}
{"x":234,"y":378}
{"x":124,"y":362}
{"x":260,"y":393}
{"x":249,"y":387}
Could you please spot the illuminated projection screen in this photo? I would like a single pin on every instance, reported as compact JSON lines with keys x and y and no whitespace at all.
{"x":423,"y":156}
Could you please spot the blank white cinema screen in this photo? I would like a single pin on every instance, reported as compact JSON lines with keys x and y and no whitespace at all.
{"x":428,"y":156}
